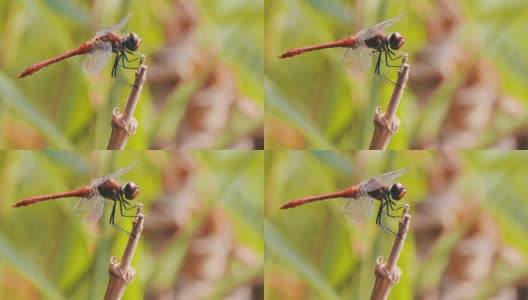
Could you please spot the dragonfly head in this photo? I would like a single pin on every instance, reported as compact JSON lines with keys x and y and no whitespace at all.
{"x":130,"y":190}
{"x":397,"y":191}
{"x":396,"y":40}
{"x":132,"y":41}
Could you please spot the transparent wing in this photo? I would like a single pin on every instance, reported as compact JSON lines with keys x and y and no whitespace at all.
{"x":387,"y":179}
{"x":371,"y":31}
{"x":120,"y":172}
{"x":114,"y":28}
{"x":95,"y":60}
{"x":359,"y":210}
{"x":357,"y":60}
{"x":90,"y":208}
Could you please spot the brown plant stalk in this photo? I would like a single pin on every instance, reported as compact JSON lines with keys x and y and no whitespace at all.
{"x":386,"y":124}
{"x":388,"y":274}
{"x":124,"y":125}
{"x":122,"y":273}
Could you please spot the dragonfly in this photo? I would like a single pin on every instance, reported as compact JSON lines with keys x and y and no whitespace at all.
{"x":98,"y":51}
{"x":92,"y":197}
{"x":360,"y":47}
{"x":359,"y":206}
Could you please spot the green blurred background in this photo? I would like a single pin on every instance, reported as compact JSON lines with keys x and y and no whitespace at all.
{"x":60,"y":107}
{"x":468,"y":225}
{"x":313,"y":103}
{"x":204,"y":213}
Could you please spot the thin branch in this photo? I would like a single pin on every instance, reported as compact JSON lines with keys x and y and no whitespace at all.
{"x":124,"y":125}
{"x":121,"y":274}
{"x":388,"y":274}
{"x":387,"y":124}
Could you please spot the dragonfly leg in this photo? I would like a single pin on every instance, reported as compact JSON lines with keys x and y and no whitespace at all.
{"x":393,"y":55}
{"x":124,"y":204}
{"x":130,"y":205}
{"x":377,"y":69}
{"x":389,"y":204}
{"x":125,"y":57}
{"x":398,"y":206}
{"x":392,"y":216}
{"x":378,"y":221}
{"x":114,"y":72}
{"x":133,"y":54}
{"x":112,"y":220}
{"x":389,"y":55}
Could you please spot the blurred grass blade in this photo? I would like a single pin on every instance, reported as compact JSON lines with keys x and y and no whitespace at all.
{"x":233,"y":281}
{"x":275,"y":101}
{"x":23,"y":266}
{"x":71,"y":9}
{"x":279,"y":248}
{"x":10,"y":95}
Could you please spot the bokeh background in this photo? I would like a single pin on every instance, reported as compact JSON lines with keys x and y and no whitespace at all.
{"x":468,"y":228}
{"x":202,"y":237}
{"x":467,"y":78}
{"x":204,"y":82}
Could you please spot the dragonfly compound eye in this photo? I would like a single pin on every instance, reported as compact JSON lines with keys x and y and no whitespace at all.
{"x":396,"y":40}
{"x":131,"y":190}
{"x":397,"y":191}
{"x":132,"y":42}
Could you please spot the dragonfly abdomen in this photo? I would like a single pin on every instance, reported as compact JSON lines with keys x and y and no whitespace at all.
{"x":81,"y":192}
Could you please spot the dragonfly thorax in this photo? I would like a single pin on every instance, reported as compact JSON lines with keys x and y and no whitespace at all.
{"x":395,"y":191}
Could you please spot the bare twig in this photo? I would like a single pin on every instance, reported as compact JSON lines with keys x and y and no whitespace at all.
{"x":121,"y":274}
{"x":124,"y":125}
{"x":387,"y":124}
{"x":388,"y":274}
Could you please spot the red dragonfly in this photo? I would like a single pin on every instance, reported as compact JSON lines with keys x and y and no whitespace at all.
{"x":92,"y":197}
{"x":99,"y":51}
{"x":359,"y":205}
{"x":371,"y":40}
